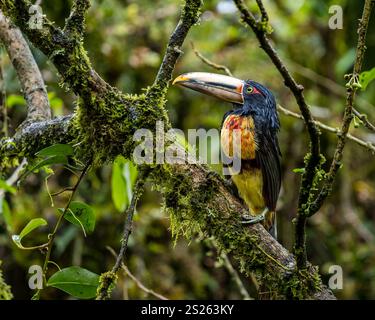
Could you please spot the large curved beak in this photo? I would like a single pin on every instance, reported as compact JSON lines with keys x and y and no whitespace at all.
{"x":216,"y":85}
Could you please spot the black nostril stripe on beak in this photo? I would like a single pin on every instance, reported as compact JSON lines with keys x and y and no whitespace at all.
{"x":222,"y":85}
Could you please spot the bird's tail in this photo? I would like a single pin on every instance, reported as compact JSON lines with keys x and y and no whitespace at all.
{"x":270,"y":223}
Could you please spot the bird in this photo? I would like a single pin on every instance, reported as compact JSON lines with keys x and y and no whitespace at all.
{"x":254,"y":116}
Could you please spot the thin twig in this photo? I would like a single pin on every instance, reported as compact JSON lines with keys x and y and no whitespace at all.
{"x":262,"y":11}
{"x":3,"y":105}
{"x":348,"y":113}
{"x":210,"y":63}
{"x":138,"y":190}
{"x":366,"y":144}
{"x":364,"y":119}
{"x":66,"y":189}
{"x":189,"y":16}
{"x":139,"y":284}
{"x":313,"y":161}
{"x":327,"y":83}
{"x":104,"y":290}
{"x":12,"y":180}
{"x":312,"y":208}
{"x":235,"y":276}
{"x":51,"y":237}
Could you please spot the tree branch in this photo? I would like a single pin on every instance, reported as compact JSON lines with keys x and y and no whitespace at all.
{"x":104,"y":288}
{"x":75,"y":24}
{"x":67,"y":54}
{"x":329,"y":84}
{"x":313,"y":158}
{"x":49,"y":37}
{"x":139,"y":284}
{"x":262,"y":11}
{"x":210,"y":63}
{"x":189,"y":17}
{"x":352,"y":87}
{"x":366,"y":144}
{"x":36,"y":136}
{"x":28,"y":73}
{"x":363,"y":117}
{"x":197,"y":200}
{"x":3,"y":106}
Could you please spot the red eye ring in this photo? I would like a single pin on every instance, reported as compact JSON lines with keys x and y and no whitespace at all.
{"x":252,"y":90}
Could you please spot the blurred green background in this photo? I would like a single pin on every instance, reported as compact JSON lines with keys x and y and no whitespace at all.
{"x":125,"y":41}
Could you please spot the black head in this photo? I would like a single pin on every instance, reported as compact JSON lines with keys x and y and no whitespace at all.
{"x":248,"y":97}
{"x":260,"y":103}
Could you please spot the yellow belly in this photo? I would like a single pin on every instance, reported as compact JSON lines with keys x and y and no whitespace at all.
{"x":250,"y":185}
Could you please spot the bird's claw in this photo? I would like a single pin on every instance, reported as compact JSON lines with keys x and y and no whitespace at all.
{"x":249,"y":219}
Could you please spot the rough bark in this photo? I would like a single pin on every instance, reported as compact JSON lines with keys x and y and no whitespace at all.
{"x":197,"y":199}
{"x":28,"y":73}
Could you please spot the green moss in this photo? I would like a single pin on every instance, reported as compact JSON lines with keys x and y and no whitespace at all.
{"x":300,"y":284}
{"x":193,"y":213}
{"x":105,"y":122}
{"x":107,"y":282}
{"x":5,"y":292}
{"x":191,"y":11}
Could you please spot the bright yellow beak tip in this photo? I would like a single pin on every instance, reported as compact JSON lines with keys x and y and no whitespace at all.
{"x":179,"y":79}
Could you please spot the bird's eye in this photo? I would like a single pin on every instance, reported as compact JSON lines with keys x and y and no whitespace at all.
{"x":249,"y":89}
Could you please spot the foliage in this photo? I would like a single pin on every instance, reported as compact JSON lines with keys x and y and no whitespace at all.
{"x":78,"y":282}
{"x":366,"y":77}
{"x":5,"y":293}
{"x":125,"y":42}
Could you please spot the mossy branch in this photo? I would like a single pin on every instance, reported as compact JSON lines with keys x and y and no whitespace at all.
{"x":104,"y":126}
{"x":190,"y":15}
{"x":5,"y":292}
{"x":75,"y":24}
{"x":313,"y":160}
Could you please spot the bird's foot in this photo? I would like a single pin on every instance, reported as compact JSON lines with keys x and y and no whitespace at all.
{"x":249,"y":219}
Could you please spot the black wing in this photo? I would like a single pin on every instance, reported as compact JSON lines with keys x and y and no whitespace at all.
{"x":268,"y":157}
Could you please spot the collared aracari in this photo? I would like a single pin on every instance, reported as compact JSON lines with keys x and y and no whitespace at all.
{"x":254,"y":114}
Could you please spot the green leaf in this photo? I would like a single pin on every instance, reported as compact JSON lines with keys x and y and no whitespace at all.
{"x":366,"y":77}
{"x":130,"y":174}
{"x":7,"y":187}
{"x":49,"y":161}
{"x":124,"y":174}
{"x":82,"y":215}
{"x":5,"y":212}
{"x":56,"y":150}
{"x":33,"y":224}
{"x":119,"y":193}
{"x":78,"y":282}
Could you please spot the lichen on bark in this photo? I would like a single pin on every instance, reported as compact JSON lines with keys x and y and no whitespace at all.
{"x":5,"y":292}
